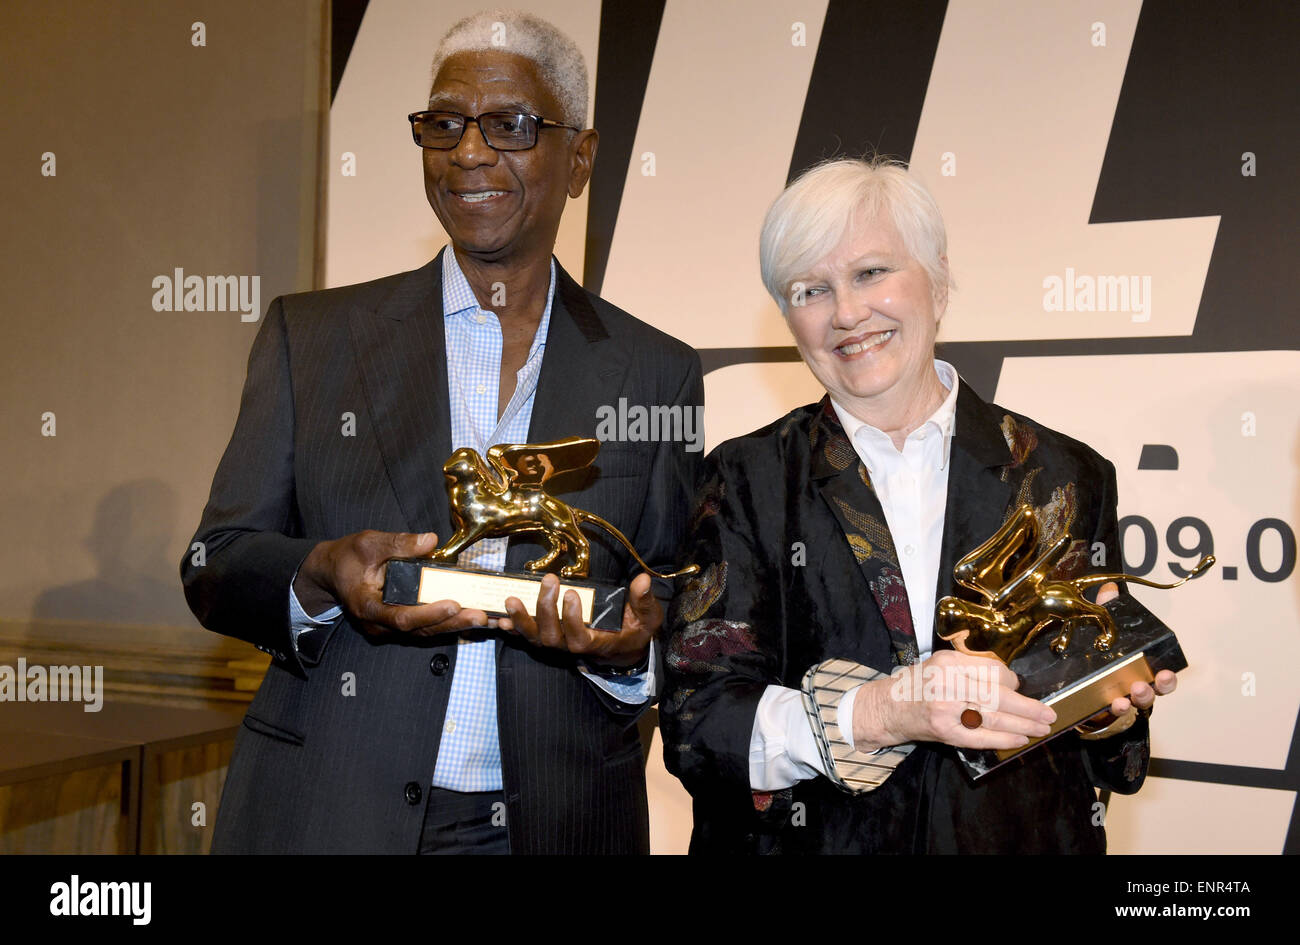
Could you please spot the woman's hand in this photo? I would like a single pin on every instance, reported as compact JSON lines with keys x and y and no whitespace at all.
{"x":1142,"y":695}
{"x":925,"y":702}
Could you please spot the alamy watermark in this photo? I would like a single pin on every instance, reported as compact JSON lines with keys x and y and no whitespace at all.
{"x":23,"y":683}
{"x":926,"y":682}
{"x":660,"y":423}
{"x":181,"y":293}
{"x":78,"y":898}
{"x":1102,"y":293}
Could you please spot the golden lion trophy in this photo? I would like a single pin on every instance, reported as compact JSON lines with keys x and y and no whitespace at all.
{"x":506,"y":495}
{"x":1021,"y":598}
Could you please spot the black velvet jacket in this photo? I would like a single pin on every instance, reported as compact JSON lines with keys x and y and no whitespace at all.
{"x":762,"y":612}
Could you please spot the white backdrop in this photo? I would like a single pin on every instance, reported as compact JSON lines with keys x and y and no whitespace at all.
{"x":1020,"y":106}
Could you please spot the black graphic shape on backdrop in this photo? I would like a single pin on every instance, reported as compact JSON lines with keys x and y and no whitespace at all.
{"x":713,"y":359}
{"x":345,"y":23}
{"x":1158,"y":456}
{"x":1205,"y":82}
{"x":868,"y":81}
{"x":1285,"y":779}
{"x":628,"y":35}
{"x":865,"y":96}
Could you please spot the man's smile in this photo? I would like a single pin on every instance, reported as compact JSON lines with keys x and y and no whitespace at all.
{"x":479,"y":196}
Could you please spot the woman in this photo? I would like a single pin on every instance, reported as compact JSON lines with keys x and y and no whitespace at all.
{"x":830,"y":534}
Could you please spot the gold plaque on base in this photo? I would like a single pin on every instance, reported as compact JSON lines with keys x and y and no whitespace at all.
{"x":418,"y":581}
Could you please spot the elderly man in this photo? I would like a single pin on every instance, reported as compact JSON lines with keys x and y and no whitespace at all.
{"x":430,"y":728}
{"x":829,"y":534}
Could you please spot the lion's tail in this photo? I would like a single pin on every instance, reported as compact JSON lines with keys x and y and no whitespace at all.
{"x":585,"y":516}
{"x":1092,"y":580}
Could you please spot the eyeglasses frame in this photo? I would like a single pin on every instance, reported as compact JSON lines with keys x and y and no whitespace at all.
{"x":541,"y":123}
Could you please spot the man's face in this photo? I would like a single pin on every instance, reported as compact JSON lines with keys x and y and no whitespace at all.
{"x":502,"y":205}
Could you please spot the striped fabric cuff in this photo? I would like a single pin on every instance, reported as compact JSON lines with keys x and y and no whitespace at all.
{"x":857,"y":772}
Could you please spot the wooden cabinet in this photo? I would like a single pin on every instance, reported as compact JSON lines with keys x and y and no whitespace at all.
{"x":144,"y":773}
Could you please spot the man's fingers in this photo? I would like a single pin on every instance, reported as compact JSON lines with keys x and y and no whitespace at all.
{"x":425,"y":619}
{"x":1108,"y":591}
{"x":641,"y":596}
{"x":577,"y":635}
{"x":519,"y":620}
{"x":1166,"y":682}
{"x":642,"y":610}
{"x":546,"y":615}
{"x":409,"y":545}
{"x":408,"y":617}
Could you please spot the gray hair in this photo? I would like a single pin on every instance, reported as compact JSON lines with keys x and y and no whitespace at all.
{"x":814,"y":214}
{"x":557,"y":57}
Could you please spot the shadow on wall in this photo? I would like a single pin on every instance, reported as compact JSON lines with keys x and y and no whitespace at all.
{"x":135,"y":582}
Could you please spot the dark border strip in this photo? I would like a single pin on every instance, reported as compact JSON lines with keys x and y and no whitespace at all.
{"x":1278,"y":779}
{"x":715,"y":359}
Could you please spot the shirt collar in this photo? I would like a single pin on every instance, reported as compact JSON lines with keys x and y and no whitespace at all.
{"x":942,"y":421}
{"x":458,"y":297}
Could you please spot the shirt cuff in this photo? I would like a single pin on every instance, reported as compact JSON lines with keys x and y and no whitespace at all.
{"x":300,"y":621}
{"x":782,"y":748}
{"x":630,"y":690}
{"x":844,"y":714}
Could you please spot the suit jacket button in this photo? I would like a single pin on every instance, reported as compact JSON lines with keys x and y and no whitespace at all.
{"x":438,"y":665}
{"x":413,"y":792}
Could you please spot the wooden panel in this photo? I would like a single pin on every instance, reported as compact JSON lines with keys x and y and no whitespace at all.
{"x":174,"y":782}
{"x":173,"y":758}
{"x":125,"y":777}
{"x":82,"y":811}
{"x":152,"y":665}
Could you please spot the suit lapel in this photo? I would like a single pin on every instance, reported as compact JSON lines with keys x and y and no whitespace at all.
{"x":582,"y":369}
{"x":979,"y":495}
{"x":402,"y":356}
{"x":847,"y":491}
{"x":979,"y":491}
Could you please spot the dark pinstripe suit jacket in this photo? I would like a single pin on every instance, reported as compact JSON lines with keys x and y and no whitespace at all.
{"x":318,"y":770}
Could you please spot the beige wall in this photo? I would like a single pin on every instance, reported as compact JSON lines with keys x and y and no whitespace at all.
{"x":167,"y":155}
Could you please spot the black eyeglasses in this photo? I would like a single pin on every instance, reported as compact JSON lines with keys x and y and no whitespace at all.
{"x":503,"y":131}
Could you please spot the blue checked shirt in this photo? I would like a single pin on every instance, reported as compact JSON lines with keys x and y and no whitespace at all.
{"x":469,"y":752}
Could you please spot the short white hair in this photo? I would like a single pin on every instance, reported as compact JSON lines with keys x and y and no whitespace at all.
{"x":558,"y":58}
{"x":814,"y":214}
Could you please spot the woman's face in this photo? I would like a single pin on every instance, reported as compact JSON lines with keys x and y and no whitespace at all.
{"x":866,"y":320}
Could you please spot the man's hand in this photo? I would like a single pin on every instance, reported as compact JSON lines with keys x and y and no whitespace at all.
{"x":349,"y":572}
{"x":642,"y":618}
